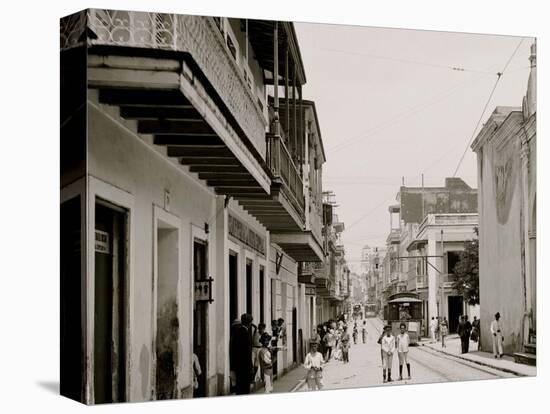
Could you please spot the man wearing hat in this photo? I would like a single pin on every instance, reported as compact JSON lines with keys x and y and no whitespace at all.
{"x":498,"y":339}
{"x":388,"y":348}
{"x":240,"y":354}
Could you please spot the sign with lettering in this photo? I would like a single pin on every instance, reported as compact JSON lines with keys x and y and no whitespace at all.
{"x":246,"y":235}
{"x":310,"y":290}
{"x":102,"y":242}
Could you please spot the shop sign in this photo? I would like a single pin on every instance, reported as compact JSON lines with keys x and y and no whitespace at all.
{"x":102,"y":242}
{"x":246,"y":235}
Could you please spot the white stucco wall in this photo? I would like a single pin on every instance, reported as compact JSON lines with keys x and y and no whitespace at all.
{"x":119,"y":158}
{"x":501,"y":283}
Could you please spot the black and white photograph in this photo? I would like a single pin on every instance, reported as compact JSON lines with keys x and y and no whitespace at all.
{"x":275,"y":206}
{"x":267,"y":206}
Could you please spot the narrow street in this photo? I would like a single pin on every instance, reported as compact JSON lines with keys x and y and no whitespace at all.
{"x":427,"y":366}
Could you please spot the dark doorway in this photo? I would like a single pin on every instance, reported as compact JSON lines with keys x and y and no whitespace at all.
{"x":456,"y":309}
{"x":262,"y":295}
{"x":167,"y":334}
{"x":110,"y":304}
{"x":73,"y":351}
{"x":294,"y":335}
{"x":233,"y":285}
{"x":249,"y":296}
{"x":200,"y":318}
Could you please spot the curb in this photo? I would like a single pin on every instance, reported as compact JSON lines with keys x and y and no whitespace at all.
{"x":507,"y":370}
{"x":299,"y":385}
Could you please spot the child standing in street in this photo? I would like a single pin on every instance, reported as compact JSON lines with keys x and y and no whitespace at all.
{"x":265,"y":363}
{"x":313,"y":364}
{"x":388,"y":348}
{"x":403,"y":342}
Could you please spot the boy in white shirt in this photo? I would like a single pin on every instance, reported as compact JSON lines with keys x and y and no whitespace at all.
{"x":265,"y":363}
{"x":388,"y":348}
{"x":313,"y":363}
{"x":403,"y":342}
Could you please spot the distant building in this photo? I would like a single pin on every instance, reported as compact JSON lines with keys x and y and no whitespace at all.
{"x":415,"y":231}
{"x":506,"y":153}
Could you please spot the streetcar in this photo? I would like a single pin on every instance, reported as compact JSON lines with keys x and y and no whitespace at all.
{"x":370,"y":310}
{"x":404,"y":307}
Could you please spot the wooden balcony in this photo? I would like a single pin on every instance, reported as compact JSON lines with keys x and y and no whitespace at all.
{"x":309,"y":271}
{"x":394,"y":237}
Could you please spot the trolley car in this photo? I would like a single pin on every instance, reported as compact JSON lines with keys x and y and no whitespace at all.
{"x":404,"y":307}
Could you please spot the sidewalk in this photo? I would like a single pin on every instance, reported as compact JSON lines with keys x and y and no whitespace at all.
{"x":289,"y":382}
{"x":487,"y":359}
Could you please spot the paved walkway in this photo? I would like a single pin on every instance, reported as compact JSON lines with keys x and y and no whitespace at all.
{"x":487,"y":359}
{"x":289,"y":382}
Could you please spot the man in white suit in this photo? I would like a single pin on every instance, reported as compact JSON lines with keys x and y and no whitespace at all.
{"x":498,"y":339}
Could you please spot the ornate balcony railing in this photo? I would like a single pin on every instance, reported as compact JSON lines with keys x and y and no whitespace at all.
{"x":447,"y":280}
{"x":281,"y":165}
{"x":197,"y":35}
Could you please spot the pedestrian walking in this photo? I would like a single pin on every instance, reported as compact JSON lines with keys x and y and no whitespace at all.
{"x":345,"y":345}
{"x":337,"y":348}
{"x":433,"y":328}
{"x":240,"y":355}
{"x":355,"y":332}
{"x":380,"y":343}
{"x":330,"y":341}
{"x":467,"y":334}
{"x":463,"y":334}
{"x":313,"y":363}
{"x":402,"y":342}
{"x":498,"y":338}
{"x":444,"y":328}
{"x":364,"y":331}
{"x":476,"y":332}
{"x":322,"y":330}
{"x":388,"y":348}
{"x":256,"y":346}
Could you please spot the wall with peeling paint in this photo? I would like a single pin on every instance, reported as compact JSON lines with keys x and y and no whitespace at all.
{"x":129,"y":162}
{"x":501,"y":280}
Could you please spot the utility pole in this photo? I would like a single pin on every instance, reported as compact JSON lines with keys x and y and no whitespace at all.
{"x":441,"y":274}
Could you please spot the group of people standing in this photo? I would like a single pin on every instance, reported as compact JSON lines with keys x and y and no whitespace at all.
{"x":253,"y":353}
{"x":439,"y":329}
{"x":330,"y":340}
{"x":389,"y":344}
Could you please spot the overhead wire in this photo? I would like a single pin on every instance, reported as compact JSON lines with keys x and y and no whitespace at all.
{"x":406,"y":61}
{"x":405,"y":114}
{"x":499,"y":75}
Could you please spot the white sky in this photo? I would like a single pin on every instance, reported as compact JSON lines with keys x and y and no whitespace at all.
{"x":390,"y":106}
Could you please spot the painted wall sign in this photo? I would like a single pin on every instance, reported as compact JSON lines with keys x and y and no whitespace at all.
{"x":245,"y":234}
{"x":505,"y":176}
{"x":102,"y":242}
